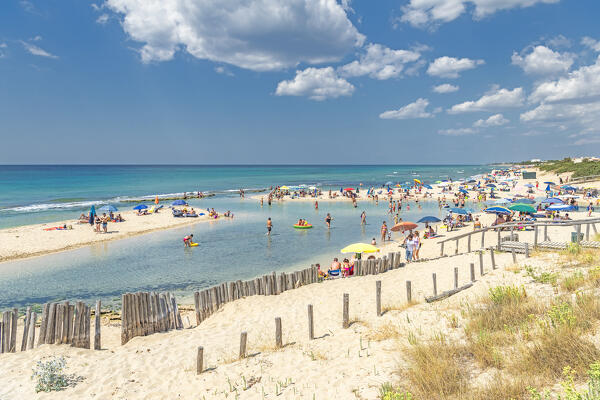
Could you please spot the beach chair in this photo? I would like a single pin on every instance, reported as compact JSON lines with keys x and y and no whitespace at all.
{"x":335,"y":273}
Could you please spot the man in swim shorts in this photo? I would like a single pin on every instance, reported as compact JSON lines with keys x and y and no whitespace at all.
{"x":269,"y":226}
{"x":187,"y":241}
{"x":328,"y":220}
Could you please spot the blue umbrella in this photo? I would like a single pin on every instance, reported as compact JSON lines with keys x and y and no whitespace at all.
{"x":491,"y":185}
{"x":561,"y":207}
{"x":498,"y":210}
{"x":92,"y":214}
{"x":140,"y":207}
{"x":429,"y":218}
{"x":389,"y":183}
{"x":548,"y":188}
{"x":502,"y":201}
{"x":567,"y":187}
{"x":463,"y":191}
{"x":457,"y":210}
{"x":427,"y":187}
{"x":526,"y":201}
{"x":179,"y":203}
{"x":108,"y":208}
{"x":550,"y":183}
{"x":529,"y":185}
{"x":552,"y":200}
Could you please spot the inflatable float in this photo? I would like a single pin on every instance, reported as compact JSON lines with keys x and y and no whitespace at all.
{"x":303,"y":226}
{"x":193,"y":244}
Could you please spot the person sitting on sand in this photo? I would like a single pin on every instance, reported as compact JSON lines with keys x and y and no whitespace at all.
{"x":188,"y":240}
{"x":374,"y":242}
{"x":477,"y":224}
{"x":335,"y":266}
{"x":346,"y":267}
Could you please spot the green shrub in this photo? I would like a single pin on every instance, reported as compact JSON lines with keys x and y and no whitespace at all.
{"x":389,"y":392}
{"x":504,"y":295}
{"x":50,"y":376}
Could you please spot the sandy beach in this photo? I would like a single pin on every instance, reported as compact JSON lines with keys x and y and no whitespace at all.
{"x":34,"y":240}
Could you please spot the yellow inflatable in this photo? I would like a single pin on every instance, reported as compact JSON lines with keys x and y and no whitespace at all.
{"x":193,"y":244}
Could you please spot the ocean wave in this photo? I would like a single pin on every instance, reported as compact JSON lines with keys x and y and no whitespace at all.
{"x":51,"y":206}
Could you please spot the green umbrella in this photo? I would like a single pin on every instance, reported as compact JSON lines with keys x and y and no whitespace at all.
{"x":526,"y":208}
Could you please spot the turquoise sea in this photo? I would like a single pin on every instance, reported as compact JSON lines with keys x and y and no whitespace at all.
{"x":229,"y":249}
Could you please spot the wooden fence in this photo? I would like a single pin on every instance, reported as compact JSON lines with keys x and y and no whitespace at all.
{"x":208,"y":301}
{"x":515,"y":226}
{"x":144,"y":313}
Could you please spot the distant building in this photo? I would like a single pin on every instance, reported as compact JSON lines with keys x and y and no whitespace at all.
{"x":535,"y":160}
{"x":580,"y":159}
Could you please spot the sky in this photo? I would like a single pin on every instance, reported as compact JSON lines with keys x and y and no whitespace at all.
{"x":298,"y":81}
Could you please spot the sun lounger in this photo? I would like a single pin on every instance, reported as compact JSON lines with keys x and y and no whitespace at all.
{"x":335,"y":273}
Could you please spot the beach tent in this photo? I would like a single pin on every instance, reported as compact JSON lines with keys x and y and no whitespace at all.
{"x":429,"y":218}
{"x":179,"y":203}
{"x":526,"y":208}
{"x":497,"y":210}
{"x":561,"y":207}
{"x":108,"y":208}
{"x":140,"y":207}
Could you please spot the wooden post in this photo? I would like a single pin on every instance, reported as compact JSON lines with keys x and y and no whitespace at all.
{"x":535,"y":237}
{"x":51,"y":324}
{"x":378,"y":297}
{"x":278,"y":335}
{"x":545,"y":233}
{"x":311,"y":326}
{"x":493,"y":259}
{"x":124,"y":337}
{"x":469,"y":244}
{"x":481,"y":263}
{"x":455,"y":277}
{"x":44,"y":324}
{"x":31,"y":333}
{"x":578,"y":233}
{"x":200,"y":360}
{"x":526,"y":250}
{"x":408,"y":291}
{"x":587,"y":232}
{"x":65,"y":323}
{"x":498,"y":239}
{"x":442,"y":250}
{"x":456,"y":250}
{"x":472,"y":266}
{"x":346,"y":311}
{"x":514,"y":256}
{"x":58,"y":324}
{"x":26,"y":323}
{"x":243,"y":338}
{"x":512,"y":233}
{"x":434,"y":284}
{"x":97,"y":326}
{"x":594,"y":228}
{"x":483,"y":239}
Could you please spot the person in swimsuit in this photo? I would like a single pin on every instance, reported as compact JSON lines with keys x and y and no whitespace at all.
{"x":104,"y":223}
{"x":328,"y":220}
{"x":383,"y":232}
{"x":188,"y":240}
{"x":316,"y":205}
{"x":269,"y":226}
{"x":363,"y":218}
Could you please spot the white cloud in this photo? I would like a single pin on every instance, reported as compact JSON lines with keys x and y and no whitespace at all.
{"x":457,"y":131}
{"x":496,"y":98}
{"x":316,"y":83}
{"x":543,"y":61}
{"x":222,"y":70}
{"x":258,"y":35}
{"x":559,"y":41}
{"x":102,"y":19}
{"x":583,"y":113}
{"x":380,"y":62}
{"x":494,"y":120}
{"x":3,"y":45}
{"x":445,"y":88}
{"x":579,"y":84}
{"x":409,"y":111}
{"x":450,"y":67}
{"x":591,"y":43}
{"x":37,"y":51}
{"x":424,"y":12}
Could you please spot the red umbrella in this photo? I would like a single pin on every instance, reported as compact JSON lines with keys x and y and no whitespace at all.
{"x":404,"y":226}
{"x":348,"y":189}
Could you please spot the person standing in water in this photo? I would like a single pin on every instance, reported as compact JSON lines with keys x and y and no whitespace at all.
{"x":328,"y":220}
{"x":188,"y":240}
{"x":316,"y":205}
{"x":269,"y":226}
{"x":363,"y":218}
{"x":384,"y":229}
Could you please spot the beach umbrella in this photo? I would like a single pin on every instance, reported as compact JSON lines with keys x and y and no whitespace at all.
{"x":418,"y":181}
{"x":389,"y":183}
{"x":140,"y":207}
{"x":179,"y":203}
{"x":427,"y":187}
{"x":561,"y":207}
{"x":526,"y":201}
{"x":503,"y":183}
{"x":552,"y":200}
{"x":458,"y":210}
{"x":92,"y":214}
{"x":550,"y":183}
{"x":348,"y":189}
{"x":427,"y":219}
{"x":526,"y":208}
{"x":491,"y":185}
{"x":463,"y":191}
{"x":548,"y":188}
{"x":529,"y":185}
{"x":108,"y":208}
{"x":360,"y":248}
{"x":403,"y":226}
{"x":497,"y":210}
{"x":438,"y":181}
{"x":502,"y":201}
{"x":567,"y":187}
{"x":284,"y":187}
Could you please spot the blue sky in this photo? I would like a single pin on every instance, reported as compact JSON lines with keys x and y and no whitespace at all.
{"x":298,"y":81}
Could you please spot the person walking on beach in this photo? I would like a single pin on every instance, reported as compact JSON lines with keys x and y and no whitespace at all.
{"x":188,"y":240}
{"x":384,"y":229}
{"x":363,"y":218}
{"x":269,"y":226}
{"x":104,"y":223}
{"x":328,"y":220}
{"x":417,"y":245}
{"x":409,"y":247}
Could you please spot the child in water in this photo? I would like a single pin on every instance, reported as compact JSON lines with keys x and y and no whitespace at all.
{"x":188,"y":240}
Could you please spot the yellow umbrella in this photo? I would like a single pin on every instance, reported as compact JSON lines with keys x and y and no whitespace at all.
{"x":418,"y":181}
{"x":360,"y":248}
{"x":284,"y":187}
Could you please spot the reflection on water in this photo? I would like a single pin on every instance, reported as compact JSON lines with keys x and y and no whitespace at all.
{"x":228,"y":250}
